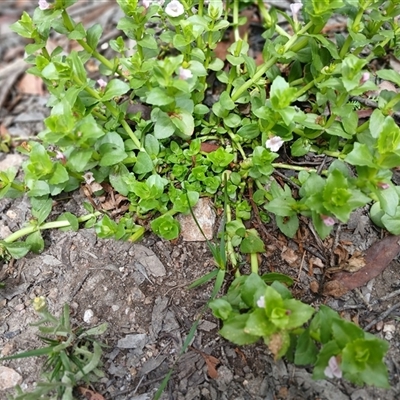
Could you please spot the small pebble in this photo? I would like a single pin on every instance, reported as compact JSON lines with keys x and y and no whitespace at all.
{"x":87,"y":317}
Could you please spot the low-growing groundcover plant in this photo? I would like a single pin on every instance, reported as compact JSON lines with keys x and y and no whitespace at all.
{"x":168,"y":122}
{"x":73,"y":356}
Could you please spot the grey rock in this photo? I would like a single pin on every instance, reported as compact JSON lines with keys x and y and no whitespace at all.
{"x":148,"y":260}
{"x":136,"y":341}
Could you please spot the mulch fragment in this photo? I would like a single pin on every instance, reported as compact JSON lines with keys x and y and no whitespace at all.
{"x":377,"y":258}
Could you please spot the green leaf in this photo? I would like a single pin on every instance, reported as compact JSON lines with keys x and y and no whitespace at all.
{"x":345,"y":332}
{"x":221,"y":309}
{"x":93,"y":35}
{"x":281,"y":94}
{"x":389,"y":75}
{"x":392,"y":223}
{"x":220,"y":157}
{"x":71,"y":218}
{"x":17,"y":249}
{"x":163,"y":127}
{"x":60,"y":175}
{"x":158,"y":97}
{"x":282,"y":206}
{"x":143,"y":164}
{"x":166,"y":227}
{"x":226,"y":101}
{"x":252,"y":289}
{"x":77,"y":67}
{"x":298,"y":312}
{"x":184,"y":122}
{"x":321,"y":324}
{"x":252,"y":244}
{"x":258,"y":325}
{"x":288,"y":225}
{"x":328,"y":350}
{"x":249,"y":131}
{"x":276,"y":276}
{"x":111,"y":154}
{"x":115,"y":88}
{"x":363,"y":359}
{"x":41,"y":208}
{"x":306,"y":351}
{"x":234,"y":330}
{"x":35,"y":241}
{"x":389,"y":199}
{"x":361,"y":155}
{"x":79,"y":158}
{"x":118,"y":177}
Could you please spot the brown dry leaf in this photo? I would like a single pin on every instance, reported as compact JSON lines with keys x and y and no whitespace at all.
{"x":314,"y":286}
{"x":316,"y":262}
{"x":275,"y":344}
{"x":209,"y":147}
{"x":342,"y":254}
{"x":90,"y":394}
{"x":377,"y":258}
{"x":241,"y":354}
{"x":289,"y":256}
{"x":211,"y":362}
{"x":31,"y":84}
{"x":354,"y":263}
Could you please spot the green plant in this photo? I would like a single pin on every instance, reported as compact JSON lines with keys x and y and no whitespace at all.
{"x":145,"y":129}
{"x":73,"y":356}
{"x":253,"y":310}
{"x":153,"y":160}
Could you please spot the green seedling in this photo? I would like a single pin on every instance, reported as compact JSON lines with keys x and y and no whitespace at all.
{"x":72,"y":355}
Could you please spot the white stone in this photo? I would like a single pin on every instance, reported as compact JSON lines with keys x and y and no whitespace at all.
{"x":205,"y":216}
{"x":9,"y":378}
{"x":87,"y":317}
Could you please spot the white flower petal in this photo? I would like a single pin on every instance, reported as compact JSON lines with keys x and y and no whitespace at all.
{"x":274,"y":143}
{"x":261,"y":302}
{"x":44,"y":5}
{"x":185,"y":73}
{"x":174,"y":8}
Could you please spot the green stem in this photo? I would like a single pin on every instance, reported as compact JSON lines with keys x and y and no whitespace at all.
{"x":229,"y":247}
{"x":254,"y":263}
{"x":48,"y":225}
{"x":264,"y":68}
{"x":307,"y":87}
{"x":268,"y":20}
{"x":69,"y":24}
{"x":236,"y":20}
{"x":392,"y":102}
{"x":115,"y":113}
{"x":237,"y":145}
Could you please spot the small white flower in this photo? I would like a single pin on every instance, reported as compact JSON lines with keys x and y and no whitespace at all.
{"x":296,"y":7}
{"x":364,"y":78}
{"x":102,"y":83}
{"x":328,"y":221}
{"x":333,"y":369}
{"x":261,"y":302}
{"x":185,"y":73}
{"x":174,"y":8}
{"x":383,"y":185}
{"x":44,"y":5}
{"x":274,"y":143}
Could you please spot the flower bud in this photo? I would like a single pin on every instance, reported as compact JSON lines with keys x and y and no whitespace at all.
{"x":39,"y":304}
